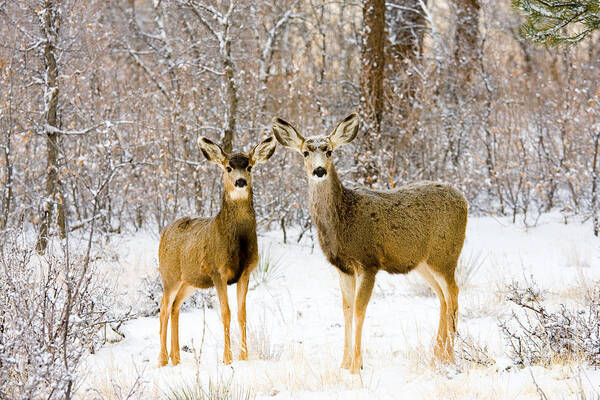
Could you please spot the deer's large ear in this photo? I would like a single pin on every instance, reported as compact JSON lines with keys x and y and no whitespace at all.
{"x":263,"y":151}
{"x":211,"y":150}
{"x":286,"y":134}
{"x":345,"y":131}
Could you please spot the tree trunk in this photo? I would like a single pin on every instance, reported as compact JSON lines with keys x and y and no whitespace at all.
{"x":49,"y":27}
{"x":232,"y":99}
{"x":596,"y":224}
{"x":230,"y":86}
{"x":371,"y":85}
{"x":405,"y":21}
{"x":8,"y":182}
{"x":467,"y":48}
{"x":372,"y":61}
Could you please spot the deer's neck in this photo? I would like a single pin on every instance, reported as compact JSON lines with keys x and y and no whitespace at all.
{"x":326,"y":199}
{"x":237,"y":212}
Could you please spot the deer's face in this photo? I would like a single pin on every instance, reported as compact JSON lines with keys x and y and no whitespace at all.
{"x":316,"y":150}
{"x":237,"y":175}
{"x":237,"y":167}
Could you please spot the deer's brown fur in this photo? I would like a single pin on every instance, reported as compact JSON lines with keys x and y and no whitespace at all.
{"x":219,"y":251}
{"x":419,"y":227}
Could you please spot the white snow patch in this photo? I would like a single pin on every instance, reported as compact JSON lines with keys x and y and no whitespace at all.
{"x":302,"y":314}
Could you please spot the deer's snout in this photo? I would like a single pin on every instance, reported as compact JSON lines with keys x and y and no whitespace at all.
{"x":320,"y":172}
{"x":241,"y":183}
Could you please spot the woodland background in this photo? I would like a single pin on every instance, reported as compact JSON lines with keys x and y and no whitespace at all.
{"x":102,"y":102}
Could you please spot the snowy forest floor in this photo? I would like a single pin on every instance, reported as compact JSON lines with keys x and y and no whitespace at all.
{"x":296,"y":325}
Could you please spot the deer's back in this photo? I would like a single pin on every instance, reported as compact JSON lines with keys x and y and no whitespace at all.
{"x":396,"y":230}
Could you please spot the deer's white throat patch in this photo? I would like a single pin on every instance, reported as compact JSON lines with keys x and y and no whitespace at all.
{"x":318,"y":179}
{"x":239,"y":193}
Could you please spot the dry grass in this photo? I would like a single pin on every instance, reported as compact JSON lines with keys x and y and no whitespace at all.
{"x":581,"y":289}
{"x":417,"y":286}
{"x":115,"y":382}
{"x":260,"y":340}
{"x":481,"y":303}
{"x":576,"y":257}
{"x":301,"y":372}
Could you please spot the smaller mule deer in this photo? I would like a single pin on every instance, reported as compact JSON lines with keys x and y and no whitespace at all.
{"x":205,"y":252}
{"x":419,"y":227}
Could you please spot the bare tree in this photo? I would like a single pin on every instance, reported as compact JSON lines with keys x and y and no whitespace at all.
{"x":223,"y":35}
{"x":406,"y":27}
{"x":373,"y":63}
{"x":371,"y":85}
{"x":467,"y":40}
{"x":7,"y":147}
{"x":595,"y":180}
{"x":49,"y":23}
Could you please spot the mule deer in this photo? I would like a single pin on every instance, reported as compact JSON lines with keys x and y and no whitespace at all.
{"x":419,"y":227}
{"x":205,"y":252}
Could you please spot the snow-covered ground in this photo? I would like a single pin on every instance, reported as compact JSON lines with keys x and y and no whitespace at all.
{"x":296,"y":325}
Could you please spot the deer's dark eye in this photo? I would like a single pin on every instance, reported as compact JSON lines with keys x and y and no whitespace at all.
{"x":305,"y":154}
{"x":228,"y":169}
{"x":249,"y":168}
{"x":328,"y":153}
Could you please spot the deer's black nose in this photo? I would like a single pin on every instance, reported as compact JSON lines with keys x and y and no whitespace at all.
{"x":241,"y":183}
{"x":320,"y":172}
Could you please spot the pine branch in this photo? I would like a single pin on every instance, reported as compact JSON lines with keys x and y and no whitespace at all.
{"x":555,"y":22}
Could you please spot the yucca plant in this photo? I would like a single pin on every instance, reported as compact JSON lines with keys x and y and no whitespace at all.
{"x":269,"y":268}
{"x":217,"y":389}
{"x":469,"y":265}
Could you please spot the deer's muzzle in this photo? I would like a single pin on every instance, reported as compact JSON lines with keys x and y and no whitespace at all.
{"x":241,"y":183}
{"x":320,"y":172}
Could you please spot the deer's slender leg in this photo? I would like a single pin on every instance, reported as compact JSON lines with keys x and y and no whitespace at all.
{"x":184,"y":292}
{"x":169,"y":294}
{"x":348,"y":286}
{"x":242,"y":291}
{"x":221,"y":286}
{"x":442,"y":333}
{"x":452,"y":310}
{"x":450,"y":290}
{"x":364,"y":287}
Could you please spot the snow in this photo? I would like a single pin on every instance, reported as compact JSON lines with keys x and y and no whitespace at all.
{"x":297,"y":320}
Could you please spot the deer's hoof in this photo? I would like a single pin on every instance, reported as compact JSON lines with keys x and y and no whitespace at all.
{"x":162,"y":361}
{"x":346,"y":363}
{"x":356,"y":366}
{"x":443,"y":354}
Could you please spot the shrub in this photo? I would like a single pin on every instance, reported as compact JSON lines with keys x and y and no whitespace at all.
{"x":50,"y":311}
{"x":471,"y":351}
{"x":151,"y":291}
{"x":538,"y":335}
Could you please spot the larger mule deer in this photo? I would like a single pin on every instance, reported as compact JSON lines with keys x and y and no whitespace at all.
{"x":205,"y":252}
{"x":416,"y":227}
